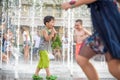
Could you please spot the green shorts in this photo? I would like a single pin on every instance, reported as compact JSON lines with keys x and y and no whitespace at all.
{"x":44,"y":59}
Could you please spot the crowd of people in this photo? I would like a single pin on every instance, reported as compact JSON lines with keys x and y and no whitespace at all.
{"x":7,"y":41}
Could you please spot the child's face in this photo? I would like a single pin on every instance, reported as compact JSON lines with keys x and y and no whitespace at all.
{"x":78,"y":25}
{"x":50,"y":24}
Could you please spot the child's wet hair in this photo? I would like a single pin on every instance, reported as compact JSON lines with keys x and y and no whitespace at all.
{"x":48,"y":19}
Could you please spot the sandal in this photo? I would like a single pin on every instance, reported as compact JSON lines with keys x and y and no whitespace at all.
{"x":51,"y":77}
{"x":35,"y":77}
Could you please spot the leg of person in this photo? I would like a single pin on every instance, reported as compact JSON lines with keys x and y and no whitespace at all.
{"x":46,"y":65}
{"x":9,"y":55}
{"x":76,"y":50}
{"x":39,"y":67}
{"x":49,"y":76}
{"x":37,"y":71}
{"x":36,"y":75}
{"x":26,"y":53}
{"x":113,"y":66}
{"x":47,"y":71}
{"x":78,"y":45}
{"x":4,"y":58}
{"x":83,"y":60}
{"x":33,"y":53}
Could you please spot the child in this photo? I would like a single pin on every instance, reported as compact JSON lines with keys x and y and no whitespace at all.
{"x":48,"y":34}
{"x":79,"y":35}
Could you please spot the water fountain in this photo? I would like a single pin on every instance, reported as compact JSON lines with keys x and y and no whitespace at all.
{"x":16,"y":9}
{"x":68,"y":17}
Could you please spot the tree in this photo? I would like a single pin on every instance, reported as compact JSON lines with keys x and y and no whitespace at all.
{"x":57,"y":43}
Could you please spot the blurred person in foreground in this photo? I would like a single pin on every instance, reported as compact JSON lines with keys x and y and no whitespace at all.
{"x":105,"y":39}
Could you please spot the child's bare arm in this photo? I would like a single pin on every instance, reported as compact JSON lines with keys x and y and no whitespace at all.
{"x":87,"y":32}
{"x":54,"y":32}
{"x":46,"y":36}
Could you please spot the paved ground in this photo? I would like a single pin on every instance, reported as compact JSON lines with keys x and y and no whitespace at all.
{"x":25,"y":71}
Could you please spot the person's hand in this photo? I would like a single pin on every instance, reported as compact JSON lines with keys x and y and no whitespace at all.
{"x":66,"y":5}
{"x":54,"y":31}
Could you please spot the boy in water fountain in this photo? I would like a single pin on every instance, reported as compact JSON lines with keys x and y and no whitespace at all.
{"x":48,"y":34}
{"x":80,"y":34}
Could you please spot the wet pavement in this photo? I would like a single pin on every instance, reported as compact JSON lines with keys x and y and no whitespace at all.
{"x":62,"y":71}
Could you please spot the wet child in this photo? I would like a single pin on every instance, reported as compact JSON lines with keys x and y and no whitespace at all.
{"x":48,"y":34}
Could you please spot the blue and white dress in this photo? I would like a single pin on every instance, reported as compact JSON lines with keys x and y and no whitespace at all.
{"x":106,"y":22}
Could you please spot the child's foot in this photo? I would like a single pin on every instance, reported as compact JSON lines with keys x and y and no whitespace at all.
{"x":35,"y":77}
{"x":51,"y":77}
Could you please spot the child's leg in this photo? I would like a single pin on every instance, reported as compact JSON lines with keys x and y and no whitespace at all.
{"x":39,"y":65}
{"x":78,"y":45}
{"x":36,"y":75}
{"x":37,"y":71}
{"x":49,"y":76}
{"x":47,"y":71}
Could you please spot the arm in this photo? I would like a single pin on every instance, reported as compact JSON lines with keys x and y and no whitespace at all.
{"x":55,"y":33}
{"x":66,"y":5}
{"x":53,"y":39}
{"x":87,"y":32}
{"x":48,"y":37}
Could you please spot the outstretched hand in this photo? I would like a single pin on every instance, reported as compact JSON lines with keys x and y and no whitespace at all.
{"x":65,"y":6}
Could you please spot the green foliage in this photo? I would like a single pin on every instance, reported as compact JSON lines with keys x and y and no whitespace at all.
{"x":57,"y":43}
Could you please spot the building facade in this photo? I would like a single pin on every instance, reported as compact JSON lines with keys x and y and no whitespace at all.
{"x":30,"y":14}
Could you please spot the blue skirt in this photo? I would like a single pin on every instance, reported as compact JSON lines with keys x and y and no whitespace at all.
{"x":106,"y":21}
